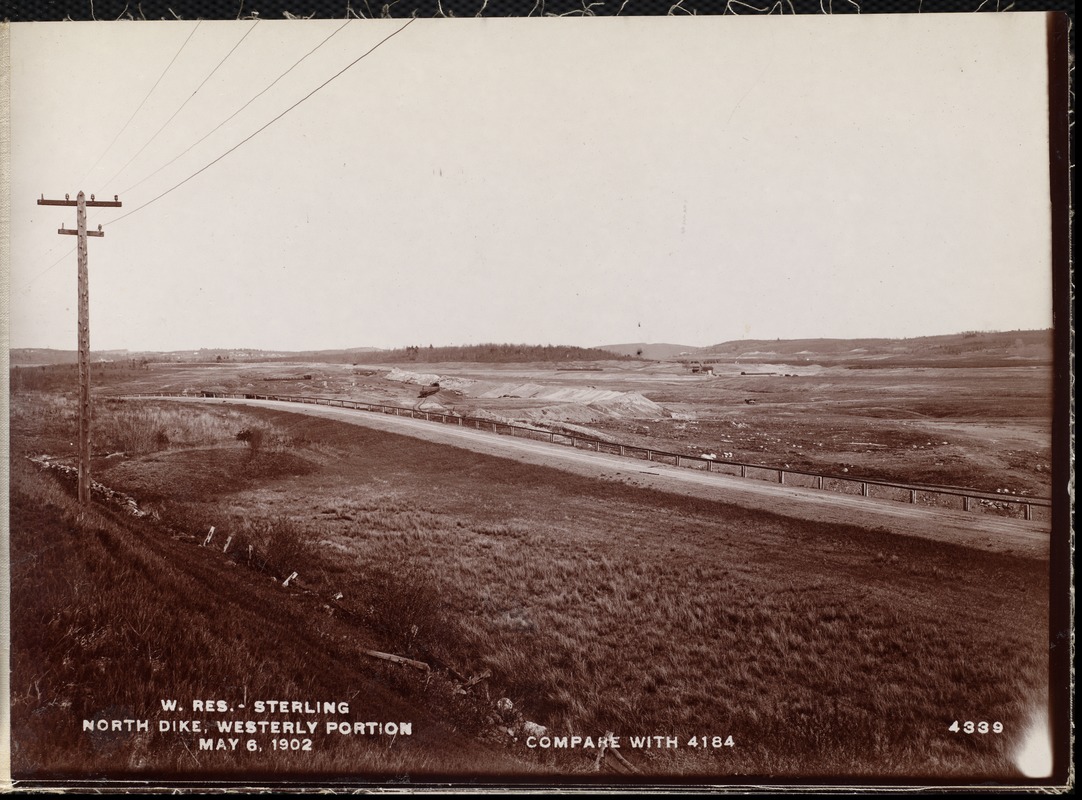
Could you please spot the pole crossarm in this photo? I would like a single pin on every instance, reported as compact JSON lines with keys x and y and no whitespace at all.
{"x":76,"y":233}
{"x":91,"y":203}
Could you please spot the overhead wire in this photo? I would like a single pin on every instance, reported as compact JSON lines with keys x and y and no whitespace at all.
{"x":141,"y":104}
{"x":262,"y":128}
{"x":182,"y":105}
{"x":244,"y":140}
{"x":235,"y":113}
{"x":48,"y":269}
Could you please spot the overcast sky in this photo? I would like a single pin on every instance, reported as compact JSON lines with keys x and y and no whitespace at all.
{"x":563,"y":181}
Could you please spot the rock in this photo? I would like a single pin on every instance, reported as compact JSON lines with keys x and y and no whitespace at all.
{"x":533,"y":729}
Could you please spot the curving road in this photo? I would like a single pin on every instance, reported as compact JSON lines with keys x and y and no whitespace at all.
{"x":971,"y":529}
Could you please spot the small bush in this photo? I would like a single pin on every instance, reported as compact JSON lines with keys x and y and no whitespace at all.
{"x":284,"y":546}
{"x":161,"y":439}
{"x":253,"y":437}
{"x":404,"y":600}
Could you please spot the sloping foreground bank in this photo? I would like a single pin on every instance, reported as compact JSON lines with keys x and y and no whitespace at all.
{"x":821,"y":648}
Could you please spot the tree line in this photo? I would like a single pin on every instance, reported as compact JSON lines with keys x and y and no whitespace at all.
{"x":492,"y":353}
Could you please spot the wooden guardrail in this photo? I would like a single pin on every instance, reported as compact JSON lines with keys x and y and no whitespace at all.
{"x":969,"y":499}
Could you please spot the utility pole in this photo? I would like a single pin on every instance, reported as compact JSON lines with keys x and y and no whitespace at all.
{"x":81,"y":205}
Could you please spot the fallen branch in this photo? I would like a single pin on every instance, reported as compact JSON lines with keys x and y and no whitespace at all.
{"x":477,"y":679}
{"x":623,"y":760}
{"x":407,"y":662}
{"x":608,"y":749}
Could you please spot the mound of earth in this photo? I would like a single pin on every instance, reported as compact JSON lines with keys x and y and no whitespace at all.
{"x":567,"y":412}
{"x":201,"y":472}
{"x":766,"y":368}
{"x":404,"y":376}
{"x":631,"y":404}
{"x":582,"y":430}
{"x":563,"y":403}
{"x":429,"y":378}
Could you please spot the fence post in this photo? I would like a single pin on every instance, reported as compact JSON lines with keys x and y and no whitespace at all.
{"x":678,"y":459}
{"x":819,"y":482}
{"x":743,"y":471}
{"x":781,"y":476}
{"x":228,"y":542}
{"x":552,"y":437}
{"x":209,"y":536}
{"x":912,"y":495}
{"x":863,"y":488}
{"x":649,"y":455}
{"x":1028,"y":511}
{"x":621,"y":449}
{"x":965,"y":503}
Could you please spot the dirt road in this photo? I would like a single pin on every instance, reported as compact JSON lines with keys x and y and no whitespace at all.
{"x":995,"y":534}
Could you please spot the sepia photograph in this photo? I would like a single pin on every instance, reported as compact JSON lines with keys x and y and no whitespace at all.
{"x":530,"y":403}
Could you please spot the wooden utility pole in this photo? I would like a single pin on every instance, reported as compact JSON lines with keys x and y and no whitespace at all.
{"x":81,"y":205}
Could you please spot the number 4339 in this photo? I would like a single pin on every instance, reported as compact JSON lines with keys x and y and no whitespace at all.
{"x":976,"y":727}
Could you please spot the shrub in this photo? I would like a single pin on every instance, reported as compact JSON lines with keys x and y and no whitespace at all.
{"x":404,"y":600}
{"x":283,"y":544}
{"x":253,"y":437}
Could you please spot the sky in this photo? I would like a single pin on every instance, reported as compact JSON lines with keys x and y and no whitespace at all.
{"x":578,"y":181}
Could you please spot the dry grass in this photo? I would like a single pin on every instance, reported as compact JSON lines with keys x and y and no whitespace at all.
{"x":138,"y":427}
{"x":821,"y":649}
{"x":827,"y":660}
{"x":110,"y":615}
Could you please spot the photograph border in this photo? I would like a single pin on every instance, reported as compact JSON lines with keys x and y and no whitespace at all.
{"x":1061,"y":608}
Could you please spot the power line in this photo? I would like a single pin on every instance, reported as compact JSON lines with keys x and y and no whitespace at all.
{"x":243,"y":141}
{"x":48,"y":269}
{"x":152,"y":88}
{"x":238,"y":111}
{"x":182,"y":105}
{"x":264,"y":127}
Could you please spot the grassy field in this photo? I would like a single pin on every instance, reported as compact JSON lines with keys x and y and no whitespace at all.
{"x":594,"y":607}
{"x":111,"y":614}
{"x":980,"y":424}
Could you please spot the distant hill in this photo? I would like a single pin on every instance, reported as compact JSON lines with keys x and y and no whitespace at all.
{"x":35,"y":356}
{"x":492,"y":353}
{"x":655,"y":352}
{"x":483,"y":353}
{"x":967,"y":348}
{"x":987,"y":346}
